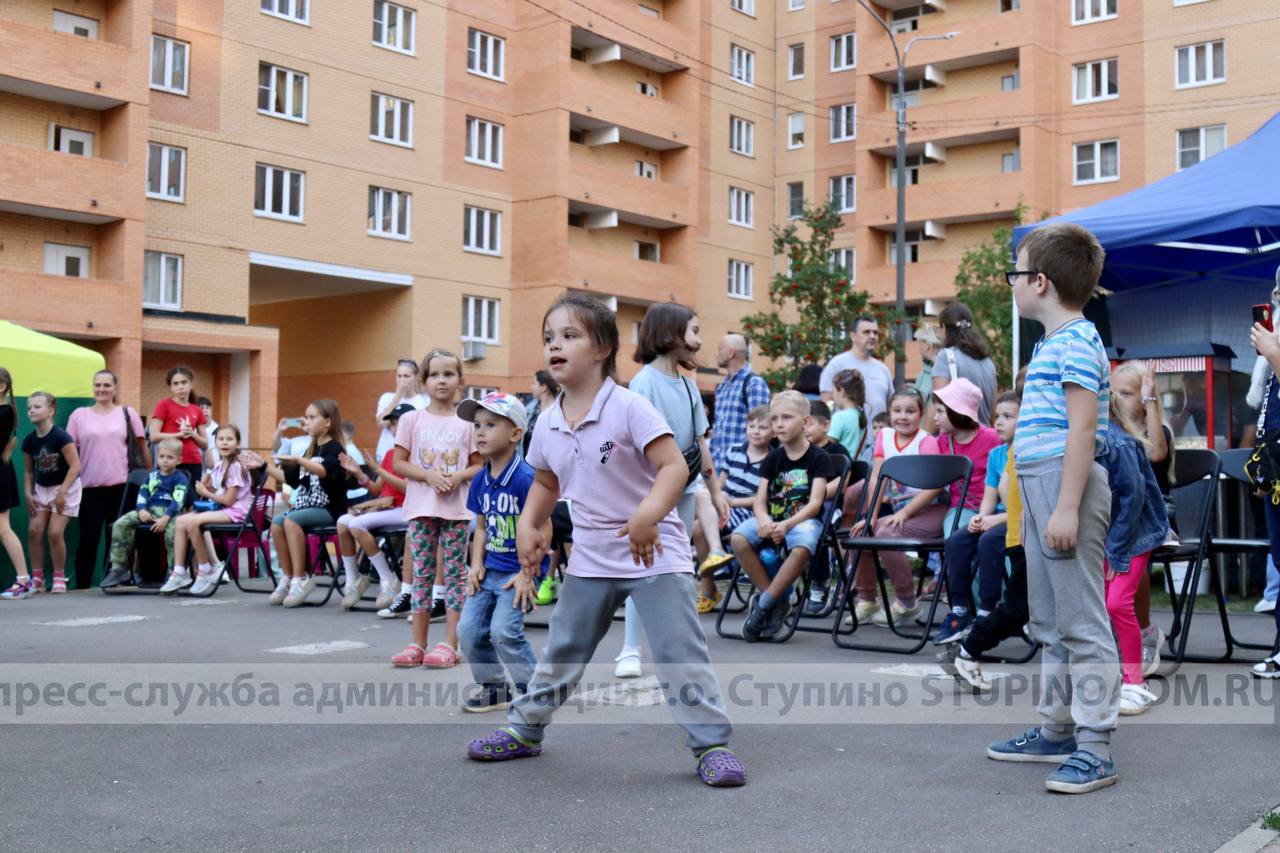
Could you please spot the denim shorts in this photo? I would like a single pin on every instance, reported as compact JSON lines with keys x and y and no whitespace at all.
{"x":803,"y":535}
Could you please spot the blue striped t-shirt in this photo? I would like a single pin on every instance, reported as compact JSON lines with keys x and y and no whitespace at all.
{"x":743,"y":481}
{"x":1072,"y":354}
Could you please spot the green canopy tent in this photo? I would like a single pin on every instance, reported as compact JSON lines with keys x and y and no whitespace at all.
{"x":40,"y":362}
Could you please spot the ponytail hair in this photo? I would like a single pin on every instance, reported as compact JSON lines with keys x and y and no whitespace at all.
{"x":958,"y":331}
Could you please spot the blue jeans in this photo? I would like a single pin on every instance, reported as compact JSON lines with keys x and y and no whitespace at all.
{"x":962,"y":546}
{"x":1272,"y":514}
{"x":1273,"y":581}
{"x":491,"y":632}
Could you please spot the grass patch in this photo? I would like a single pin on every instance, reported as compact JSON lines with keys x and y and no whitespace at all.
{"x":1204,"y":603}
{"x":1271,"y":821}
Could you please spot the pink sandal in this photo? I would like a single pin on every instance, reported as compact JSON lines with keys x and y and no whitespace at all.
{"x":441,"y":657}
{"x":59,"y":583}
{"x":411,"y":656}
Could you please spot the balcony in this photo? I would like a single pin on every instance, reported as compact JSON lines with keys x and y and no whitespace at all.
{"x":962,"y":122}
{"x":670,"y":39}
{"x":981,"y":41}
{"x":927,"y":280}
{"x":964,"y":200}
{"x":597,"y":102}
{"x":84,"y":307}
{"x":641,"y":201}
{"x":629,"y":279}
{"x":38,"y":182}
{"x":37,"y":62}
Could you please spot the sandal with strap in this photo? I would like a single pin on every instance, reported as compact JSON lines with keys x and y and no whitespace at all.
{"x":706,"y":604}
{"x":443,"y":656}
{"x":502,"y":745}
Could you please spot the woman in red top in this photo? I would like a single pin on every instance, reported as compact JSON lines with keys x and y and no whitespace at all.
{"x":358,"y":528}
{"x":178,"y":417}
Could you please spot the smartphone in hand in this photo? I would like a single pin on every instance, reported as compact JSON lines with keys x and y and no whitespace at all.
{"x":1262,"y":314}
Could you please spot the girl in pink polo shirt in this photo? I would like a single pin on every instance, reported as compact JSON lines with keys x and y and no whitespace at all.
{"x":612,"y":456}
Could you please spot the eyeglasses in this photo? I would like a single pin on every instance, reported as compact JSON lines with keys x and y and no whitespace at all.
{"x":1011,"y":275}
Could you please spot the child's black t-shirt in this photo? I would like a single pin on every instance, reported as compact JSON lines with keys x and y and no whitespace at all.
{"x":791,"y":480}
{"x":46,"y":455}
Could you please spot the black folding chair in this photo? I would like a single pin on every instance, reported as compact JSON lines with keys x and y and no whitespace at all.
{"x":391,"y":541}
{"x":255,"y":530}
{"x":934,"y":471}
{"x":128,"y":499}
{"x":801,"y":585}
{"x":320,"y":563}
{"x":833,"y":534}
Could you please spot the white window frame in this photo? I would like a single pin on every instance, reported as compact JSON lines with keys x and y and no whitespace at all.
{"x":648,"y":11}
{"x":794,"y":52}
{"x":1096,"y":146}
{"x":746,"y":7}
{"x":836,"y":185}
{"x":55,"y":258}
{"x":1087,"y":67}
{"x":742,"y":207}
{"x":794,"y":119}
{"x":834,"y":256}
{"x":267,"y":171}
{"x":172,"y":47}
{"x":742,"y":65}
{"x":744,"y":131}
{"x":657,"y":251}
{"x":401,"y":119}
{"x":477,"y":392}
{"x":912,"y":242}
{"x":481,"y":313}
{"x":844,"y":52}
{"x":287,"y":10}
{"x":484,"y":137}
{"x":58,"y":133}
{"x":385,"y":200}
{"x":1201,"y":143}
{"x":649,"y":90}
{"x":1011,"y":159}
{"x":1015,"y":80}
{"x":647,"y":170}
{"x":1013,"y":6}
{"x":1092,"y":11}
{"x":272,"y":90}
{"x":472,"y":216}
{"x":162,"y":265}
{"x":406,"y":22}
{"x":162,"y":150}
{"x":795,"y":5}
{"x":792,"y":213}
{"x":485,"y":51}
{"x":1211,"y":50}
{"x":844,"y":117}
{"x":67,"y":22}
{"x":741,"y":280}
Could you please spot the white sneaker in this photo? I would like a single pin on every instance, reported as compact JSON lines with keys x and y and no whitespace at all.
{"x":176,"y":581}
{"x":351,"y":593}
{"x":970,"y":672}
{"x":281,"y":590}
{"x":864,"y":611}
{"x":204,"y":583}
{"x":1265,"y":606}
{"x":298,"y":594}
{"x":628,"y":664}
{"x":1268,"y":668}
{"x":901,"y":615}
{"x":1152,"y":640}
{"x":386,"y":594}
{"x":1135,"y":699}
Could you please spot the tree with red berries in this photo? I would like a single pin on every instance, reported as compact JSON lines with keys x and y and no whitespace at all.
{"x":814,"y":302}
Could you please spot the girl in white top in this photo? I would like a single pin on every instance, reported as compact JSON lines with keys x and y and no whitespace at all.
{"x":408,"y":390}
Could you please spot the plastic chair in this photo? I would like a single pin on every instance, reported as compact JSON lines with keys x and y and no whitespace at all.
{"x":934,"y":471}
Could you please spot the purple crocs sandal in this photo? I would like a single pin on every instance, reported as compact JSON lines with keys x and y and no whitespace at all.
{"x":502,"y":745}
{"x":720,"y":768}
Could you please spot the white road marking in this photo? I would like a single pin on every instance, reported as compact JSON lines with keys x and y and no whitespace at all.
{"x":912,"y":670}
{"x":93,"y":620}
{"x":202,"y":602}
{"x":319,"y":648}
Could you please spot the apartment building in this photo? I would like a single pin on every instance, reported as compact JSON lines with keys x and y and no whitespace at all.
{"x":290,"y":195}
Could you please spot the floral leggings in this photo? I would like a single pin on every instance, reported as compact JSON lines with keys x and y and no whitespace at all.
{"x":451,"y":536}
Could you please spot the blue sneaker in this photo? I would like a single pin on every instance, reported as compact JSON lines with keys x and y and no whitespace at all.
{"x":1031,"y":746}
{"x":1081,"y":773}
{"x":953,"y":629}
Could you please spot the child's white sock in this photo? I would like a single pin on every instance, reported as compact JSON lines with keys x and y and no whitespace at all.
{"x":437,"y":592}
{"x":351,"y":566}
{"x":295,"y":583}
{"x":385,"y":575}
{"x":179,"y":570}
{"x":204,"y":568}
{"x":406,"y":588}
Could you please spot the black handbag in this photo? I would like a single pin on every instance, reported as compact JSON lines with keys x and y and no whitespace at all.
{"x":1263,"y":467}
{"x":133,"y":453}
{"x":692,"y":455}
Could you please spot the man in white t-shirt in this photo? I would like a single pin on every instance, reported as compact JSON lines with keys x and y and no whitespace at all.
{"x":863,"y":339}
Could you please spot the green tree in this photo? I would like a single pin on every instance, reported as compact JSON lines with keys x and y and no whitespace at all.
{"x":980,"y":284}
{"x":816,"y":293}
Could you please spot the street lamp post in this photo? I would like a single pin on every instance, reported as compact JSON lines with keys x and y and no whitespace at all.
{"x":899,"y":364}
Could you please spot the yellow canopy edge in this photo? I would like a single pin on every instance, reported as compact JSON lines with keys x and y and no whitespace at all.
{"x":40,"y":362}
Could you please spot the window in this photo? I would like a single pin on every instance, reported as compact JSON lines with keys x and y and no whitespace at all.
{"x":905,"y":20}
{"x":1200,"y":143}
{"x":741,"y":207}
{"x":746,"y":7}
{"x":1011,"y":162}
{"x":162,"y":281}
{"x":480,"y":319}
{"x":844,"y":122}
{"x":76,"y":25}
{"x":741,"y":274}
{"x":478,"y":392}
{"x":844,"y":51}
{"x":293,"y":10}
{"x":61,"y":259}
{"x":1010,"y":5}
{"x":484,"y":142}
{"x":645,"y":169}
{"x":485,"y":54}
{"x":393,"y":26}
{"x":389,"y":212}
{"x":911,"y":165}
{"x":648,"y":10}
{"x":742,"y":65}
{"x":1201,"y":64}
{"x":646,"y":88}
{"x":1088,"y":11}
{"x":577,"y":54}
{"x":1011,"y":82}
{"x":166,"y":171}
{"x":67,"y":140}
{"x":281,"y":92}
{"x":912,"y":244}
{"x":391,"y":119}
{"x":277,"y":193}
{"x":911,"y":90}
{"x":481,"y":230}
{"x":646,"y":251}
{"x":843,"y":259}
{"x":795,"y":5}
{"x":844,"y":192}
{"x":1096,"y":81}
{"x":742,"y":136}
{"x":795,"y":200}
{"x":1097,"y":162}
{"x":795,"y":130}
{"x":169,"y":65}
{"x":795,"y":62}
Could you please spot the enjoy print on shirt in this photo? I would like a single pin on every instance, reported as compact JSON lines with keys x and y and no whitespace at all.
{"x":439,"y":449}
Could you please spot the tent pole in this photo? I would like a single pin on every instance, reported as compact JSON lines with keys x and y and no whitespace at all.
{"x":1017,"y":336}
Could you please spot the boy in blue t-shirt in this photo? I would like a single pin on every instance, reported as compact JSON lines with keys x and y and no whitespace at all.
{"x":1066,"y":511}
{"x":491,"y":629}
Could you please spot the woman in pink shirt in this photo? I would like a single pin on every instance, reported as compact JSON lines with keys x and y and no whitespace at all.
{"x":612,"y":456}
{"x":101,"y":437}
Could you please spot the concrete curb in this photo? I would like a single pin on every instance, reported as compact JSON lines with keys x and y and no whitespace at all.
{"x":1253,"y":839}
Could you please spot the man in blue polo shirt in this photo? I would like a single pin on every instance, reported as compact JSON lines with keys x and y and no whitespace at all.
{"x":491,"y":629}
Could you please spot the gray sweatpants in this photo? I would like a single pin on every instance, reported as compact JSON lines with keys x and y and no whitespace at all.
{"x":581,"y":619}
{"x":1080,"y":669}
